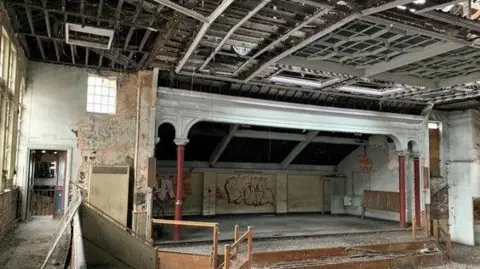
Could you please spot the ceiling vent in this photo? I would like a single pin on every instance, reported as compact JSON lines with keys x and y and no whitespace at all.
{"x":88,"y":36}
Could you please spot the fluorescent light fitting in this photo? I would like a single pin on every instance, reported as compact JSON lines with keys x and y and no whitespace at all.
{"x":419,"y":2}
{"x":402,"y":7}
{"x":99,"y":33}
{"x":302,"y":82}
{"x":412,"y":10}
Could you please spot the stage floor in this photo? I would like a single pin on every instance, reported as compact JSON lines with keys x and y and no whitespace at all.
{"x":279,"y":226}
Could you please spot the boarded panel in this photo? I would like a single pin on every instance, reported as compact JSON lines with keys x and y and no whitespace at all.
{"x":164,"y":193}
{"x":304,"y":193}
{"x":245,"y":193}
{"x":183,"y":260}
{"x":381,"y":200}
{"x":114,"y":239}
{"x":434,"y":142}
{"x":109,"y":191}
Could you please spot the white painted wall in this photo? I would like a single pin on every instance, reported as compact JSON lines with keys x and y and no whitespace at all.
{"x":384,"y":177}
{"x":462,"y":176}
{"x":54,"y":102}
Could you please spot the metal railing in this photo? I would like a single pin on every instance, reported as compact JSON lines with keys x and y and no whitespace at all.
{"x":232,"y":251}
{"x":212,"y":225}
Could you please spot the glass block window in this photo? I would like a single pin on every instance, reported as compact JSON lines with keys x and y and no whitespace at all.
{"x":102,"y":94}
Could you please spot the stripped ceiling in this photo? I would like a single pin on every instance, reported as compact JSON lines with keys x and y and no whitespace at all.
{"x":386,"y":55}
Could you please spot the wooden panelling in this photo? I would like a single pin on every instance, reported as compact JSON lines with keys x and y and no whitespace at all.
{"x":381,"y":200}
{"x":173,"y":260}
{"x":434,"y":136}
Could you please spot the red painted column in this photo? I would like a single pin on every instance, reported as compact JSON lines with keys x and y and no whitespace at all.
{"x":416,"y":186}
{"x":401,"y":188}
{"x":179,"y":194}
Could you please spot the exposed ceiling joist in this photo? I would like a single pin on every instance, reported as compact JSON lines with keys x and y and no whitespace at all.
{"x":184,"y":10}
{"x":298,"y":148}
{"x":201,"y":33}
{"x":409,"y":58}
{"x":352,"y":71}
{"x":232,"y":31}
{"x":223,"y":145}
{"x":462,"y":79}
{"x":328,"y":28}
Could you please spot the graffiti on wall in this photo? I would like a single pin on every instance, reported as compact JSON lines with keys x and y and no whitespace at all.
{"x":249,"y":190}
{"x":164,"y":191}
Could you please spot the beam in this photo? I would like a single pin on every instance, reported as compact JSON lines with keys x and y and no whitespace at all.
{"x":90,"y":17}
{"x":413,"y":29}
{"x":222,"y":145}
{"x":32,"y":29}
{"x":439,"y":6}
{"x":462,"y":79}
{"x":232,"y":31}
{"x":72,"y":52}
{"x":413,"y":57}
{"x":327,"y":29}
{"x":352,"y":71}
{"x":184,"y":10}
{"x":132,"y":29}
{"x":215,"y":14}
{"x":163,"y":37}
{"x":282,"y":38}
{"x":117,"y":23}
{"x":295,"y":137}
{"x":298,"y":148}
{"x":452,"y":19}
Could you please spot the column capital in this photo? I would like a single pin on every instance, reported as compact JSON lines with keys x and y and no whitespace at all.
{"x":415,"y":155}
{"x":180,"y":141}
{"x":402,"y":153}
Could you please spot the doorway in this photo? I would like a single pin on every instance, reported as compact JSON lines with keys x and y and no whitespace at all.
{"x":46,"y":179}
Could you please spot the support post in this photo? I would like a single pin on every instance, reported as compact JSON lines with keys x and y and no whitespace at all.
{"x":401,"y":187}
{"x":416,"y":181}
{"x":179,"y":194}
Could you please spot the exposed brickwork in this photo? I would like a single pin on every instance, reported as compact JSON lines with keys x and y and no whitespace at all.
{"x":439,"y":204}
{"x":8,"y":209}
{"x":112,"y":139}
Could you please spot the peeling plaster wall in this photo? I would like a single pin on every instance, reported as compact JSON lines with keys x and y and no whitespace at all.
{"x":55,"y":116}
{"x":462,"y":174}
{"x":383,"y":177}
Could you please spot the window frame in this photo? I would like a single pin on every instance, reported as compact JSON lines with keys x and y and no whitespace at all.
{"x":101,"y":95}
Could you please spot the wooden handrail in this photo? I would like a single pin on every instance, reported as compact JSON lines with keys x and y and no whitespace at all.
{"x":185,"y":223}
{"x":438,"y":233}
{"x":228,"y":249}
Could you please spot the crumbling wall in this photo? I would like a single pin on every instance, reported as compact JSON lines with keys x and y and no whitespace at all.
{"x":109,"y":139}
{"x":55,"y":116}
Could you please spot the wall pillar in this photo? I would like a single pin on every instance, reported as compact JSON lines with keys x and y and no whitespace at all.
{"x":209,"y":193}
{"x":416,"y":187}
{"x":281,"y":193}
{"x":401,"y":188}
{"x":179,"y":194}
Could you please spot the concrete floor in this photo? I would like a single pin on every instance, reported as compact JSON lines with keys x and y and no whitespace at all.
{"x":27,"y":245}
{"x":278,"y":226}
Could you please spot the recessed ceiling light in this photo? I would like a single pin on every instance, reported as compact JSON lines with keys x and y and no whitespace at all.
{"x":43,"y":151}
{"x":402,"y":7}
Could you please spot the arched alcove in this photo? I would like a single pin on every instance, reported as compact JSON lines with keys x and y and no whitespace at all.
{"x":165,"y":147}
